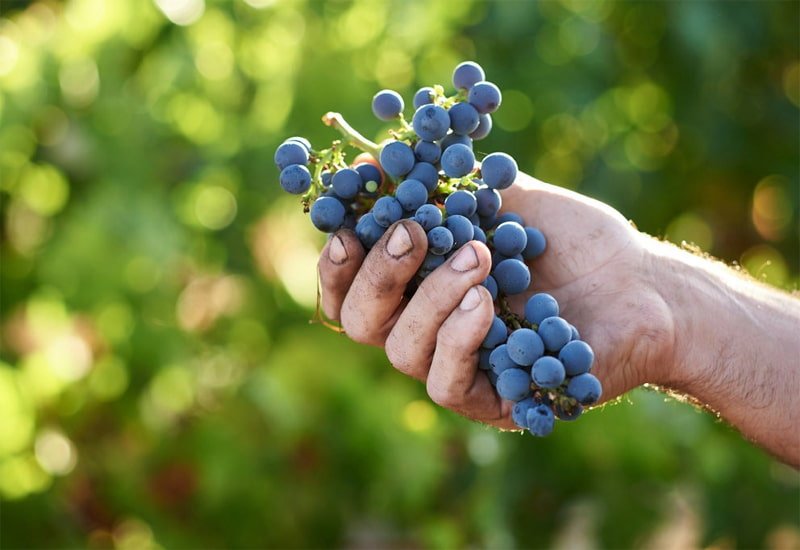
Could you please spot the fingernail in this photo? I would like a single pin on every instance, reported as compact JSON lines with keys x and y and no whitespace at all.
{"x":336,"y":251}
{"x":400,"y":242}
{"x":465,"y":260}
{"x":471,"y":300}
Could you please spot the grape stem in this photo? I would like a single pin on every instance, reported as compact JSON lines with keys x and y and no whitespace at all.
{"x":337,"y":121}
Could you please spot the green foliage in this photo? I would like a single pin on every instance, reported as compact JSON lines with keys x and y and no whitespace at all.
{"x":160,"y":384}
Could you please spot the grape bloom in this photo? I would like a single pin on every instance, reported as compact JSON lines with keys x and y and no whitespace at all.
{"x":430,"y":175}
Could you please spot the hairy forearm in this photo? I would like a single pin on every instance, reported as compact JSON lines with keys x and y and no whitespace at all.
{"x":736,"y":348}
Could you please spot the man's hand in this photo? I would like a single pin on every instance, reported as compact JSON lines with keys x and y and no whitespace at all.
{"x":593,"y":265}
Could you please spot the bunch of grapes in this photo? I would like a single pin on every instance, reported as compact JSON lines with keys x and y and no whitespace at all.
{"x":429,"y":174}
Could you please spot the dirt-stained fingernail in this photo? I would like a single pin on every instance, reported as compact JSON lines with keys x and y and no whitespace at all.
{"x":336,"y":251}
{"x":471,"y":300}
{"x":400,"y":242}
{"x":465,"y":260}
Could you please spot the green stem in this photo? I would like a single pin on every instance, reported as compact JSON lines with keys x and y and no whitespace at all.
{"x":337,"y":121}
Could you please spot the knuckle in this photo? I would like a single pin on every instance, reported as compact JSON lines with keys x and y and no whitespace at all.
{"x":443,"y":396}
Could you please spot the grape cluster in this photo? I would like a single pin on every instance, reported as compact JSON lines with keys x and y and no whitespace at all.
{"x":429,"y":174}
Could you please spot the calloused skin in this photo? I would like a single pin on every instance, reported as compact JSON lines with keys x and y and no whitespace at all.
{"x":628,"y":295}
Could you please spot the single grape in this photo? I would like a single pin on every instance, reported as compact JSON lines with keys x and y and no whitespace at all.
{"x":497,"y":258}
{"x":577,"y":357}
{"x":290,"y":152}
{"x":512,"y":277}
{"x":499,"y":170}
{"x":368,"y":230}
{"x":440,"y":240}
{"x":426,"y":173}
{"x":548,"y":372}
{"x":411,"y":194}
{"x":485,"y":97}
{"x":585,"y":388}
{"x":510,"y":239}
{"x":555,"y":333}
{"x":566,"y":412}
{"x":387,"y":104}
{"x":295,"y":179}
{"x":429,"y":264}
{"x":431,"y":122}
{"x":509,"y":217}
{"x":327,"y":214}
{"x":524,"y":347}
{"x":397,"y":159}
{"x":500,"y":361}
{"x":454,"y":139}
{"x":458,"y":160}
{"x":487,"y":222}
{"x":536,"y":243}
{"x":464,"y":119}
{"x":539,"y":307}
{"x":428,"y":216}
{"x":387,"y":210}
{"x":427,"y":151}
{"x":423,"y":97}
{"x":496,"y":334}
{"x":478,"y":234}
{"x":326,"y":178}
{"x":519,"y":412}
{"x":460,"y":203}
{"x":575,"y":334}
{"x":466,"y":74}
{"x":475,"y":219}
{"x":514,"y":384}
{"x":489,"y":201}
{"x":461,"y":228}
{"x":484,"y":127}
{"x":540,"y":420}
{"x":347,"y":183}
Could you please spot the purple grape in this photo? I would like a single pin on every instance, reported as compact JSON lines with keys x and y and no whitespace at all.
{"x":548,"y":372}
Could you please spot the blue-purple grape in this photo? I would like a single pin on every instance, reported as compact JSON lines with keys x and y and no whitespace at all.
{"x":555,"y":333}
{"x":496,"y":334}
{"x":327,"y":214}
{"x":462,"y":230}
{"x":423,"y":97}
{"x":440,"y":240}
{"x":427,"y":151}
{"x":467,"y":74}
{"x":458,"y":160}
{"x":491,"y":286}
{"x":464,"y":119}
{"x":489,"y":201}
{"x":431,"y":122}
{"x":428,"y":216}
{"x":484,"y":127}
{"x":387,"y":104}
{"x":460,"y":203}
{"x":412,"y":194}
{"x":509,"y":239}
{"x":347,"y":183}
{"x":295,"y":179}
{"x":387,"y":210}
{"x":500,"y":361}
{"x":548,"y":372}
{"x":540,"y":420}
{"x":512,"y":277}
{"x":577,"y":357}
{"x":514,"y":384}
{"x":426,"y":173}
{"x":368,"y":230}
{"x":539,"y":307}
{"x":585,"y":388}
{"x":397,"y":159}
{"x":499,"y":170}
{"x":524,"y":347}
{"x":290,"y":152}
{"x":536,"y":243}
{"x":485,"y":97}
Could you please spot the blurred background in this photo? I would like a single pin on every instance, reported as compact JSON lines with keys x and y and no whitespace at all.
{"x":160,"y":384}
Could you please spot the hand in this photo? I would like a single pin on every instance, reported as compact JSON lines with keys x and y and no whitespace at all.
{"x":595,"y":265}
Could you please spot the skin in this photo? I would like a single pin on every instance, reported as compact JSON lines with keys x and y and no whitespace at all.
{"x":652,"y":313}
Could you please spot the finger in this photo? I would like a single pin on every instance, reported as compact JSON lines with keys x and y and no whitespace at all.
{"x":411,"y":343}
{"x":338,"y":265}
{"x":373,"y":302}
{"x":454,"y":380}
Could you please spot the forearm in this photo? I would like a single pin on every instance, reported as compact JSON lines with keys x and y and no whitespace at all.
{"x":736,"y":348}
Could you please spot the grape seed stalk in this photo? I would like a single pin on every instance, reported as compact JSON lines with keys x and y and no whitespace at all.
{"x":428,"y":173}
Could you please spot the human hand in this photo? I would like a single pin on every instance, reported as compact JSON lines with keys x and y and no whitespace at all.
{"x":595,"y":265}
